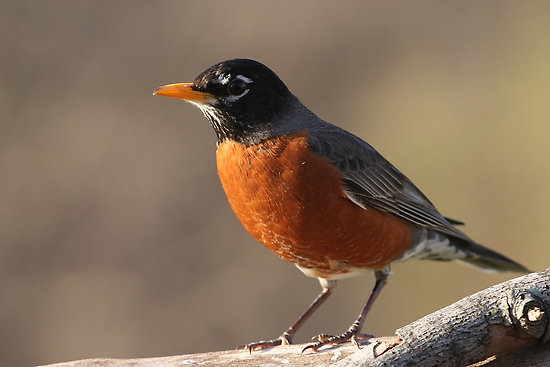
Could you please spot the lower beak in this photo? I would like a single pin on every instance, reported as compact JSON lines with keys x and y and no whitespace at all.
{"x":184,"y":91}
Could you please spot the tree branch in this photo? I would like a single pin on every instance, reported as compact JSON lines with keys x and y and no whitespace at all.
{"x":504,"y":325}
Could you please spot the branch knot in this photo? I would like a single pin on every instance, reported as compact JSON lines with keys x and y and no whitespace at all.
{"x":530,"y":314}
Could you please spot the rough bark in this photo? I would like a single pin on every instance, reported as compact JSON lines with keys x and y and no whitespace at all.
{"x":504,"y":325}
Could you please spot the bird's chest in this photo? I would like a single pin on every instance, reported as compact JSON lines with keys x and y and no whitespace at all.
{"x":279,"y":189}
{"x":292,"y":201}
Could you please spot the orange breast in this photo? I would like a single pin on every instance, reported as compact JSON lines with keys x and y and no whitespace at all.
{"x":292,"y":201}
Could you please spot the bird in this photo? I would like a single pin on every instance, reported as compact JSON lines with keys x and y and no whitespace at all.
{"x":315,"y":194}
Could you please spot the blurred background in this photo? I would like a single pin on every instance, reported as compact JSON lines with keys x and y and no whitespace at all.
{"x":116,"y":239}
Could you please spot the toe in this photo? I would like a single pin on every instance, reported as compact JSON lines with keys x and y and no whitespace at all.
{"x":282,"y":340}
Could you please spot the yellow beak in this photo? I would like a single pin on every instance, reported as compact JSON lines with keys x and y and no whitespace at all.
{"x":184,"y":91}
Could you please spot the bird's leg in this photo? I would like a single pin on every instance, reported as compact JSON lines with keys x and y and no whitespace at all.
{"x":352,"y":334}
{"x":286,"y":337}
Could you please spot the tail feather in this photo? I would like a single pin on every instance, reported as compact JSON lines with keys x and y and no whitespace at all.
{"x":487,"y":259}
{"x":434,"y":245}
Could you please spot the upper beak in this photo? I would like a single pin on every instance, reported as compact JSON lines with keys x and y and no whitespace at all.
{"x":184,"y":91}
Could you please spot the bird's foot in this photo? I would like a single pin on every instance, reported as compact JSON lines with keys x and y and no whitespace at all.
{"x":325,"y":339}
{"x":284,"y":339}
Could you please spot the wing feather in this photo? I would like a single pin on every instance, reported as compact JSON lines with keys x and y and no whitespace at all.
{"x":370,"y":180}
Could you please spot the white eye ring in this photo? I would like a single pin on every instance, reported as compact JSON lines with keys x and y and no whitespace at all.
{"x":238,"y":87}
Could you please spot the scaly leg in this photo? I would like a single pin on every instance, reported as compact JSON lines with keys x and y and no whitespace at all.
{"x":286,"y":337}
{"x":352,"y":333}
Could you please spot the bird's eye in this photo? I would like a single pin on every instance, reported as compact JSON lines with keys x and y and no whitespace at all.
{"x":237,"y":87}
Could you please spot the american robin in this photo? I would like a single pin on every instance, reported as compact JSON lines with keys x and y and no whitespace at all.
{"x":315,"y":194}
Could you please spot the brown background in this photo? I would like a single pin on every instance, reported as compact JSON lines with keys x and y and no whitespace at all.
{"x":115,"y":237}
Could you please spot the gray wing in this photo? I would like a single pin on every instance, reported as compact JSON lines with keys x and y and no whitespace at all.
{"x":370,"y":180}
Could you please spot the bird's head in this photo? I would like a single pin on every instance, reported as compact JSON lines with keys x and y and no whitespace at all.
{"x":243,"y":99}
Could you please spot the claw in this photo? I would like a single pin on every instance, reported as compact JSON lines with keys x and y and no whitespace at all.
{"x":282,"y":340}
{"x":310,"y":346}
{"x":353,"y":341}
{"x":323,"y":339}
